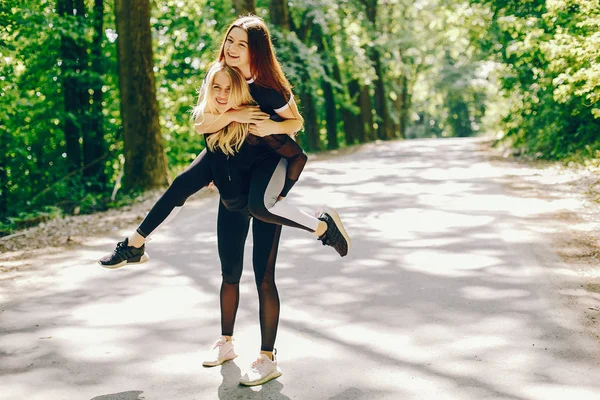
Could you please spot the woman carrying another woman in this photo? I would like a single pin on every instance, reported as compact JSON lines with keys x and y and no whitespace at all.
{"x":251,"y":176}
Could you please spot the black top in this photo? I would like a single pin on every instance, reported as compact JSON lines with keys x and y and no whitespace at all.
{"x":269,"y":100}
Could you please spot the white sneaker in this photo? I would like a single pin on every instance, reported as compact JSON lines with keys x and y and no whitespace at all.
{"x":222,"y":351}
{"x":261,"y":371}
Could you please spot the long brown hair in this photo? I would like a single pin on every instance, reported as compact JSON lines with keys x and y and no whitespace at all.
{"x":263,"y":63}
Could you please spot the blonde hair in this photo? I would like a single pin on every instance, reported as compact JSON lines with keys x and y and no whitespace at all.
{"x":230,"y":138}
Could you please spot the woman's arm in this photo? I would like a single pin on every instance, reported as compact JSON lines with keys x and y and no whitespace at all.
{"x":210,"y":123}
{"x":268,"y":127}
{"x":291,"y":124}
{"x":293,"y":121}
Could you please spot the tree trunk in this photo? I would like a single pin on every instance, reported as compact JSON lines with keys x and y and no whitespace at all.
{"x":403,"y":104}
{"x":350,"y":121}
{"x":93,"y":141}
{"x":323,"y":46}
{"x":4,"y":140}
{"x":278,"y":11}
{"x":381,"y":113}
{"x":145,"y":160}
{"x":354,"y":92}
{"x":311,"y":127}
{"x":330,"y":116}
{"x":243,"y":7}
{"x":366,"y":116}
{"x":82,"y":80}
{"x":351,"y":126}
{"x":383,"y":117}
{"x":371,"y":9}
{"x":383,"y":120}
{"x":69,"y":52}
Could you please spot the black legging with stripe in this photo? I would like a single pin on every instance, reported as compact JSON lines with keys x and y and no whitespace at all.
{"x":232,"y":229}
{"x":233,"y":226}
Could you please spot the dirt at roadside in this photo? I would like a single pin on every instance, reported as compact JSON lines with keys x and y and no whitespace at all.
{"x":61,"y":233}
{"x":573,"y":231}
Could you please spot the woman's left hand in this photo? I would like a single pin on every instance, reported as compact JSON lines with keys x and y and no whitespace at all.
{"x":263,"y":128}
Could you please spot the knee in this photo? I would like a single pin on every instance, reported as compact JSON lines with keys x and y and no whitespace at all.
{"x":232,"y":274}
{"x":265,"y":284}
{"x":179,"y":184}
{"x":231,"y":278}
{"x":179,"y":180}
{"x":258,"y":209}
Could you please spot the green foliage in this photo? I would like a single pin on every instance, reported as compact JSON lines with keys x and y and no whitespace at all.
{"x":35,"y":169}
{"x":449,"y":68}
{"x":551,"y":52}
{"x":187,"y":37}
{"x":24,"y":220}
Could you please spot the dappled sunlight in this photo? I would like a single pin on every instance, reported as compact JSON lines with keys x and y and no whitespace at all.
{"x":473,"y":171}
{"x":446,"y":264}
{"x":421,"y":220}
{"x":442,"y":292}
{"x":154,"y":305}
{"x":487,"y":293}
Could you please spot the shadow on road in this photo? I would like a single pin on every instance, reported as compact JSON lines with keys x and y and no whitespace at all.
{"x":443,"y":292}
{"x":129,"y":395}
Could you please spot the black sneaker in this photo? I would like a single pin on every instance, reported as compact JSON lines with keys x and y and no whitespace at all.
{"x":335,"y":235}
{"x":124,"y":254}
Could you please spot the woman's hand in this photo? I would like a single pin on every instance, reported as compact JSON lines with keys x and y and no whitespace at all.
{"x":248,"y":115}
{"x":264,"y":128}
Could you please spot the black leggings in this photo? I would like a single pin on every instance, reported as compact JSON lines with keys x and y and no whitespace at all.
{"x":196,"y":176}
{"x":232,"y":230}
{"x":199,"y":174}
{"x":266,"y":183}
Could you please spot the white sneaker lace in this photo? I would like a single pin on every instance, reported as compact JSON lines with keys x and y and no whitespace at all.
{"x":256,"y":363}
{"x":218,"y":348}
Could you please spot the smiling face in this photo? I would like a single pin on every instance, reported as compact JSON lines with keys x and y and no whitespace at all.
{"x":220,"y":90}
{"x":236,"y":50}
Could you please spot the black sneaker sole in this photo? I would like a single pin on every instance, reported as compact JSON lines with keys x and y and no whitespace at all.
{"x":340,"y":226}
{"x":145,"y":257}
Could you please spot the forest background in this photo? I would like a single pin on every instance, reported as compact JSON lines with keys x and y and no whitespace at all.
{"x":95,"y":94}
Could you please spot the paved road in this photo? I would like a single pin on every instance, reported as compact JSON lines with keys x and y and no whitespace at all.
{"x":447,"y":295}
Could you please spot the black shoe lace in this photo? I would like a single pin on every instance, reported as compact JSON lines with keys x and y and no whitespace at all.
{"x":120,"y":247}
{"x":122,"y":250}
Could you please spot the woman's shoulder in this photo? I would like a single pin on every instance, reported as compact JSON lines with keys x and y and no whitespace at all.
{"x":270,"y":92}
{"x":268,"y":96}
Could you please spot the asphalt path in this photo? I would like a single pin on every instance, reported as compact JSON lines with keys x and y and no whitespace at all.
{"x":447,"y":294}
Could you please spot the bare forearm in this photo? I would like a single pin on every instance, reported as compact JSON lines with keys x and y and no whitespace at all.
{"x":210,"y":123}
{"x":287,"y":127}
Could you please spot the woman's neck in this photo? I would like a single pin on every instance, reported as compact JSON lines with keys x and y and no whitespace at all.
{"x":246,"y":72}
